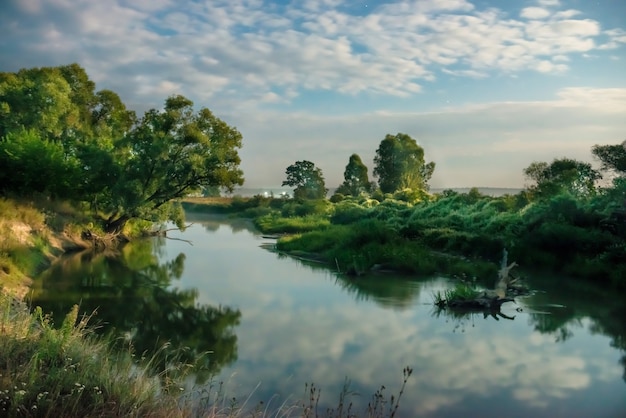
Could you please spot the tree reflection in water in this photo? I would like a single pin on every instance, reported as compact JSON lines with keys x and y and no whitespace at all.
{"x":134,"y":298}
{"x":560,"y":309}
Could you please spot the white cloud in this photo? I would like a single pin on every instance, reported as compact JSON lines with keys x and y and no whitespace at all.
{"x":566,"y":14}
{"x":241,"y":57}
{"x":534,"y":13}
{"x":314,"y":45}
{"x":473,"y":145}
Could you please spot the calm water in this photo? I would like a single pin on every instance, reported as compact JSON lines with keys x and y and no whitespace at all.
{"x":274,"y":323}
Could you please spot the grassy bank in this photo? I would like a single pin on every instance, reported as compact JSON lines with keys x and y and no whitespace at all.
{"x":68,"y":372}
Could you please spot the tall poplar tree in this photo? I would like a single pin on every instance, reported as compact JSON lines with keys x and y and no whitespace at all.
{"x":399,"y":164}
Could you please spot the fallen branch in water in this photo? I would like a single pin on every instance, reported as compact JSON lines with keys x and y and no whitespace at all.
{"x":489,"y":301}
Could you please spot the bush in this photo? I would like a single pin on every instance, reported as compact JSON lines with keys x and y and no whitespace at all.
{"x":348,"y":212}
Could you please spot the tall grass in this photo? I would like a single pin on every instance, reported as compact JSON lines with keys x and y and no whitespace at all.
{"x":68,"y":372}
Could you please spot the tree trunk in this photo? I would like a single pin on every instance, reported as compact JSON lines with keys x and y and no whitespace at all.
{"x":116,"y":226}
{"x":490,"y":300}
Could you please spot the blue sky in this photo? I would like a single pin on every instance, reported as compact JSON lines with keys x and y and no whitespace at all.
{"x":486,"y":87}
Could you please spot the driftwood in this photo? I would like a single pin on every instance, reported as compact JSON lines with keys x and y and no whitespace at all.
{"x":488,"y":301}
{"x":102,"y":242}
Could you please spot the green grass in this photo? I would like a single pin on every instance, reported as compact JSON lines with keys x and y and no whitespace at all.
{"x":460,"y":292}
{"x":69,"y":372}
{"x":273,"y":223}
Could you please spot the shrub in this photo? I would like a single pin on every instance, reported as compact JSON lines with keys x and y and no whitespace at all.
{"x":348,"y":212}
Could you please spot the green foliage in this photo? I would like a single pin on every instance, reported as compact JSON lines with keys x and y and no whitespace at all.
{"x":399,"y":164}
{"x":272,"y":223}
{"x":562,"y":175}
{"x":67,"y":372}
{"x":318,"y":207}
{"x":307,"y":180}
{"x":411,"y":196}
{"x":349,"y":212}
{"x":61,"y":138}
{"x":613,"y":157}
{"x":356,"y":180}
{"x":461,"y":291}
{"x":337,"y":197}
{"x":169,"y":154}
{"x":38,"y":99}
{"x":31,"y":164}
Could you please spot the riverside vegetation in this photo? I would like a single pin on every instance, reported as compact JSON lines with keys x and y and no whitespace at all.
{"x":69,"y":369}
{"x":80,"y":170}
{"x":459,"y":234}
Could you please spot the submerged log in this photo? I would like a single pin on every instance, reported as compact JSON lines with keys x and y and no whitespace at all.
{"x":489,"y":300}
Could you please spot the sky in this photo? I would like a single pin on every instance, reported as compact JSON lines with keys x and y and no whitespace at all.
{"x":485,"y":87}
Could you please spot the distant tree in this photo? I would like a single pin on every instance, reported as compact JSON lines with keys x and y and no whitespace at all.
{"x":562,"y":175}
{"x":307,"y":180}
{"x":169,"y":154}
{"x":356,"y":180}
{"x":613,"y":157}
{"x":399,"y":164}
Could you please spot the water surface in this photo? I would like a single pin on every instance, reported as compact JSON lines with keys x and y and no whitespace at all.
{"x":273,"y":323}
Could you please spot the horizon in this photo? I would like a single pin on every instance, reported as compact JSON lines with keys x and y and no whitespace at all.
{"x":245,"y":191}
{"x":485,"y":87}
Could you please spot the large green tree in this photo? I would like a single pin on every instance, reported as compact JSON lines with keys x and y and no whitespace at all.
{"x":399,"y":164}
{"x":169,"y":154}
{"x":356,"y":180}
{"x":562,"y":175}
{"x":60,"y":136}
{"x":307,"y":180}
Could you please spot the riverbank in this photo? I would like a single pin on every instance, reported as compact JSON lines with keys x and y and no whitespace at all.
{"x":66,"y":370}
{"x":60,"y":367}
{"x":33,"y":234}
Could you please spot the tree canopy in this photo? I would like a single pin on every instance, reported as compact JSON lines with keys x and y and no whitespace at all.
{"x":60,"y":137}
{"x":307,"y":180}
{"x":356,"y":180}
{"x":169,"y":154}
{"x":399,"y":164}
{"x":613,"y":157}
{"x":562,"y":175}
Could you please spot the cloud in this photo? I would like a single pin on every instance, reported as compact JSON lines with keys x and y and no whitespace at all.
{"x":534,"y":13}
{"x":316,"y":79}
{"x":473,"y":145}
{"x":391,"y":49}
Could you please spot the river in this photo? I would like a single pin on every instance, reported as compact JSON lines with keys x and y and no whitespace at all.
{"x":274,"y":325}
